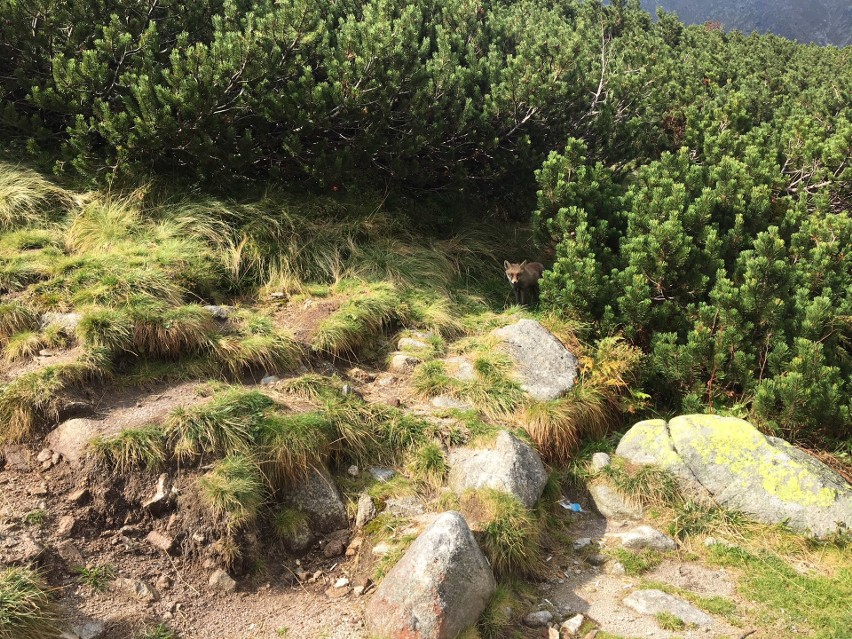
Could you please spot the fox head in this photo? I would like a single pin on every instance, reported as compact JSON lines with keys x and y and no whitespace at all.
{"x":513,"y":271}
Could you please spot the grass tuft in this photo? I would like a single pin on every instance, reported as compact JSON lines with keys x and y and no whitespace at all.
{"x":16,"y":318}
{"x":234,"y":489}
{"x":636,"y":563}
{"x":429,"y":464}
{"x":132,"y":448}
{"x":358,"y":321}
{"x":26,"y":609}
{"x":291,"y":445}
{"x":497,"y":617}
{"x":510,"y":535}
{"x":221,"y":427}
{"x":668,"y":621}
{"x":97,"y":578}
{"x":26,"y":198}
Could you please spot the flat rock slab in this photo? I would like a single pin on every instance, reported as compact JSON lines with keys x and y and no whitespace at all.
{"x":509,"y":465}
{"x":741,"y":469}
{"x":437,"y":590}
{"x":545,"y":368}
{"x":643,"y":537}
{"x":653,"y":602}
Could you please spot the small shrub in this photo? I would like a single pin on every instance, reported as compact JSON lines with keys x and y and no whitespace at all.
{"x":234,"y":489}
{"x":26,"y":610}
{"x":357,"y":322}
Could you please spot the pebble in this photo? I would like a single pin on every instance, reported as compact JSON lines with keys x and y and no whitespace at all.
{"x":341,"y":583}
{"x":538,"y":619}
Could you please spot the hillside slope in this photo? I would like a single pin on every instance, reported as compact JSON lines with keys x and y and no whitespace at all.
{"x":818,"y":22}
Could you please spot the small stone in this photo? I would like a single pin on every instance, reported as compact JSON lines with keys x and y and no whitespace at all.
{"x":277,"y":295}
{"x":352,"y":471}
{"x":359,"y":374}
{"x":600,"y":461}
{"x":366,"y":511}
{"x":404,"y":507}
{"x":269,"y":379}
{"x":552,"y":633}
{"x":302,"y":575}
{"x":341,"y":583}
{"x":653,"y":602}
{"x":39,"y":489}
{"x":46,"y":352}
{"x":382,"y":474}
{"x":381,"y":548}
{"x":221,"y":581}
{"x":445,"y":401}
{"x":353,"y":547}
{"x":336,"y":593}
{"x":164,"y":493}
{"x":617,"y":568}
{"x":572,"y":626}
{"x":334,"y":548}
{"x":219,"y":312}
{"x":386,"y":380}
{"x":65,"y":526}
{"x":159,"y":540}
{"x":582,"y":542}
{"x":136,"y":588}
{"x":70,"y":554}
{"x":410,"y":344}
{"x":88,"y":629}
{"x":45,"y":455}
{"x":402,"y":363}
{"x":646,"y":537}
{"x":316,"y":575}
{"x":163,"y":583}
{"x":198,"y":537}
{"x":596,"y":559}
{"x":538,"y":619}
{"x":78,"y":496}
{"x":29,"y":550}
{"x":358,"y":590}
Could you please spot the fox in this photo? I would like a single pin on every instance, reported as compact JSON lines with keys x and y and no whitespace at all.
{"x":524,"y":280}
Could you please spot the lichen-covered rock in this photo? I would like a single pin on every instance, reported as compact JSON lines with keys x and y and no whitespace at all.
{"x":67,"y":322}
{"x":318,"y":498}
{"x":611,"y":504}
{"x":649,"y":442}
{"x":508,"y":465}
{"x":437,"y":590}
{"x":545,"y":368}
{"x":741,"y":469}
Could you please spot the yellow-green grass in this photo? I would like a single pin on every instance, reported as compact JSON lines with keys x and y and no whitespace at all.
{"x":234,"y":489}
{"x":27,"y":610}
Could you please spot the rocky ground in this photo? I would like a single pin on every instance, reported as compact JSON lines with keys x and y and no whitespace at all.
{"x":148,"y":565}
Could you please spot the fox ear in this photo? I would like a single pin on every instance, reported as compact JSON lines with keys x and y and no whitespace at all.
{"x":523,"y":264}
{"x":506,"y":264}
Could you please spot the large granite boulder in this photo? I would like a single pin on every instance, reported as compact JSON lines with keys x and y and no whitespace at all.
{"x":437,"y":590}
{"x":508,"y":465}
{"x":319,"y":499}
{"x":544,"y":367}
{"x":729,"y":461}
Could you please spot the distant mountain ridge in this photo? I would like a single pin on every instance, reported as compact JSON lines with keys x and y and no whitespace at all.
{"x":816,"y":21}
